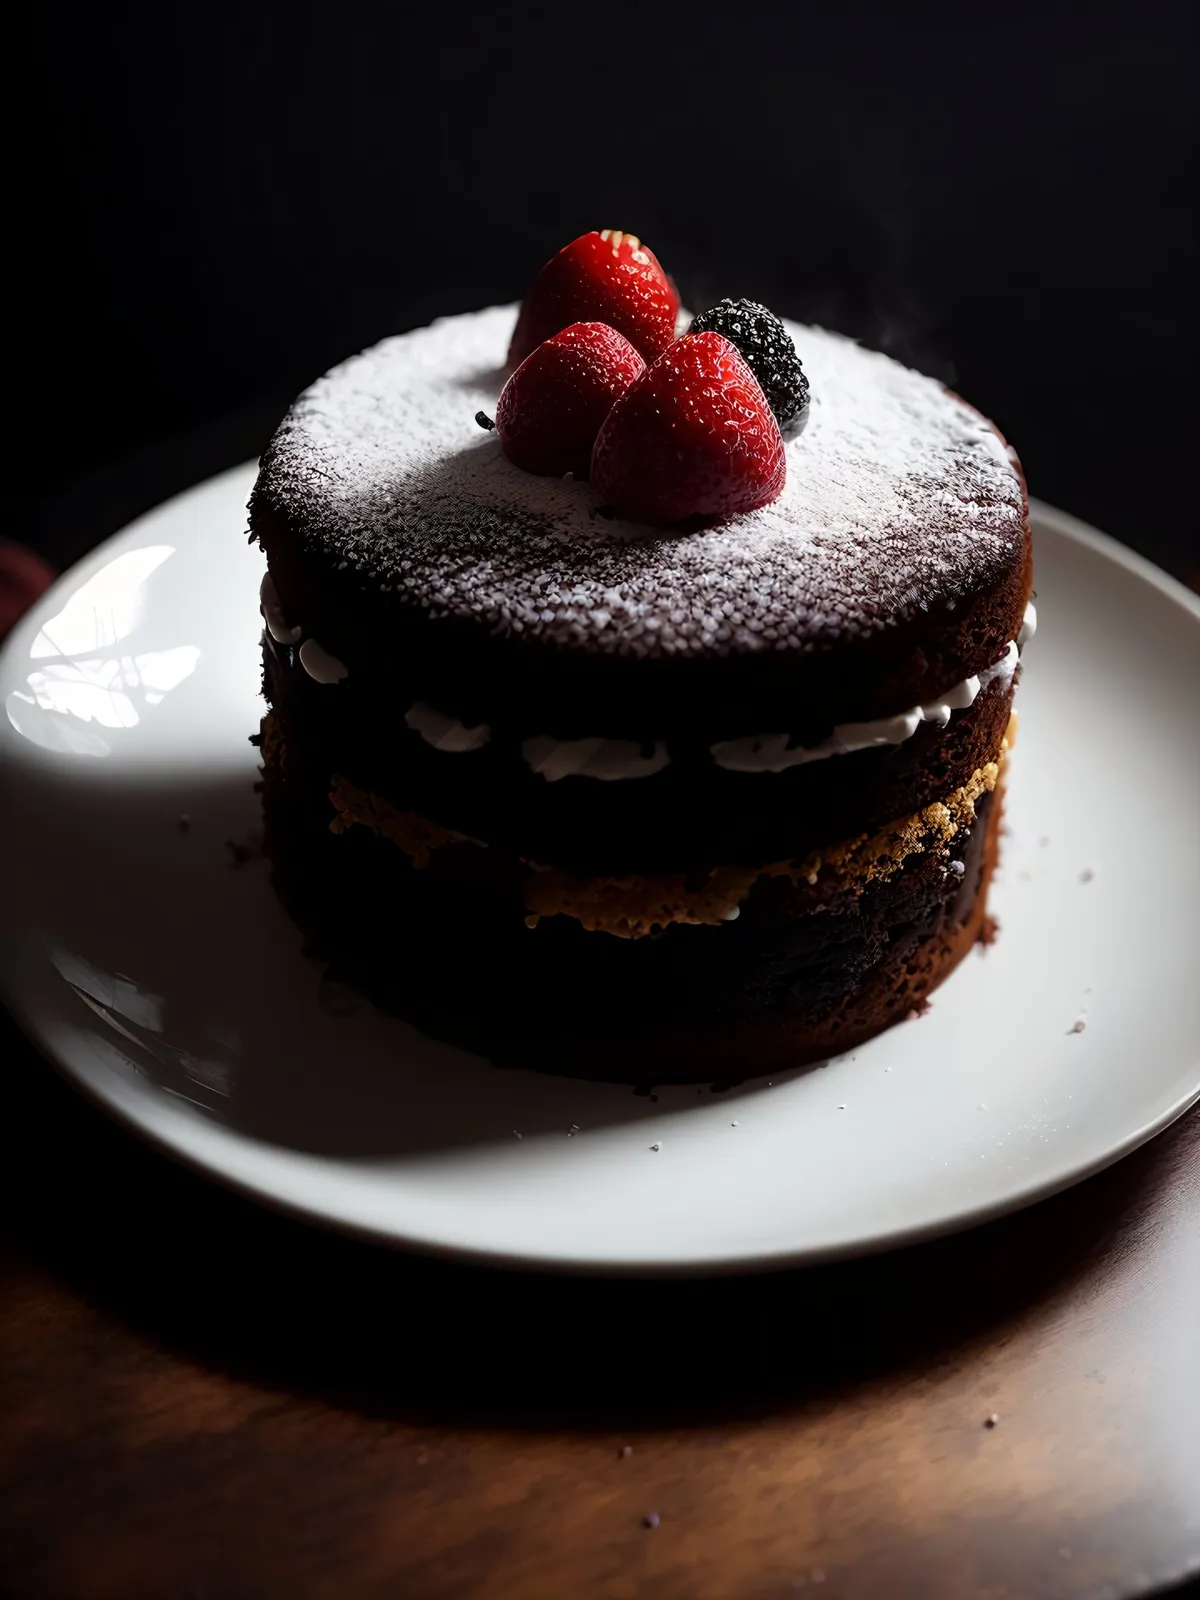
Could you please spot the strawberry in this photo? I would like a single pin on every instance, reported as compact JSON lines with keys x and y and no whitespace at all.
{"x":551,"y":409}
{"x":600,"y":277}
{"x":694,"y":436}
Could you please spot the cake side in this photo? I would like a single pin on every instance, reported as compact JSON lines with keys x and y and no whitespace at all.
{"x":637,"y":800}
{"x":640,"y":979}
{"x":688,"y":813}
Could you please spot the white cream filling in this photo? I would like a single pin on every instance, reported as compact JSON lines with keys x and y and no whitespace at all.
{"x":443,"y":732}
{"x":320,"y":665}
{"x":317,"y":662}
{"x":592,"y":758}
{"x":773,"y":752}
{"x":613,"y":759}
{"x":272,"y":611}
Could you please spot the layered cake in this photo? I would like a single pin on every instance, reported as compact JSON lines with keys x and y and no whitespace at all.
{"x":687,"y":770}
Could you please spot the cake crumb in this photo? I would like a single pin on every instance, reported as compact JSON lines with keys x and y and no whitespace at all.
{"x":572,"y":1130}
{"x":657,"y":1145}
{"x":1087,"y":874}
{"x":733,"y":1124}
{"x":517,"y":1135}
{"x":651,"y":1519}
{"x":991,"y":1420}
{"x":1078,"y":1025}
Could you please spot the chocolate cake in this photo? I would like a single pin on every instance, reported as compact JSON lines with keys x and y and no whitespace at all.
{"x":684,"y":803}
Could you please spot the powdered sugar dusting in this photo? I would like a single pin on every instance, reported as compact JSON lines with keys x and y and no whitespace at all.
{"x":898,"y":496}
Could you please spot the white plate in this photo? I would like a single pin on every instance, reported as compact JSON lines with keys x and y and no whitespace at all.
{"x":171,"y":986}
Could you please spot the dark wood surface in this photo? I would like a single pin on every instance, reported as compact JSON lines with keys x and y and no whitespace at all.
{"x":201,"y":1399}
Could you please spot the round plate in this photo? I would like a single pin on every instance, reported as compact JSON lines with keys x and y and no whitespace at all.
{"x":144,"y":951}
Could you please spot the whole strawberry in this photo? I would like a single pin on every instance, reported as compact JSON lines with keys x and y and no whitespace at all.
{"x":551,"y":409}
{"x":600,"y":277}
{"x":693,"y":437}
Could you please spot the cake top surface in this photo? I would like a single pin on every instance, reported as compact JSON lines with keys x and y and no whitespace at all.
{"x":898,"y":497}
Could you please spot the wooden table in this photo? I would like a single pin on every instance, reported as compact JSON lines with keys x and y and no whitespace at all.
{"x":201,"y":1399}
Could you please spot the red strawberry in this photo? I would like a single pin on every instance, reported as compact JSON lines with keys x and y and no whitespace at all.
{"x":551,"y":409}
{"x":600,"y":277}
{"x":694,"y":436}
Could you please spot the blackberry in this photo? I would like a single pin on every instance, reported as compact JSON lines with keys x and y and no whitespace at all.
{"x":767,"y":350}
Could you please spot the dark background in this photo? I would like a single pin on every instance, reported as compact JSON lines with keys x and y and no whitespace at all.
{"x":219,"y":203}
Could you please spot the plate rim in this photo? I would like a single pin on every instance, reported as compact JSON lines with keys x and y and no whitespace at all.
{"x":742,"y":1264}
{"x":129,"y":1115}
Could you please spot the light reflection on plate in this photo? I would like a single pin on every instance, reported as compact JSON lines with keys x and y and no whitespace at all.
{"x":74,"y":685}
